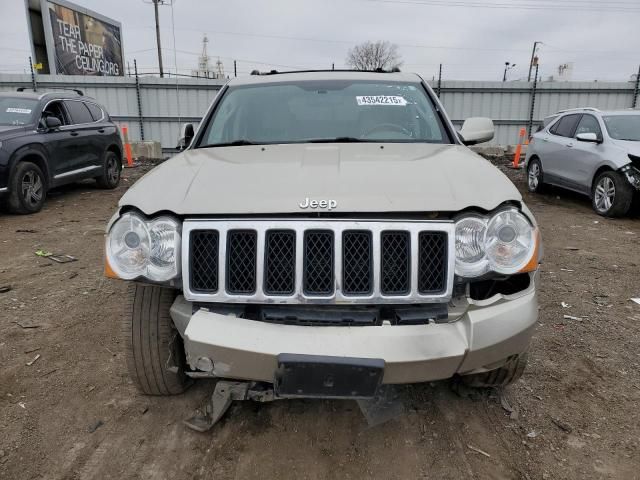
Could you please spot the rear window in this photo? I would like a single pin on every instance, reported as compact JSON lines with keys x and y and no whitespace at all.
{"x":565,"y":126}
{"x":17,"y":111}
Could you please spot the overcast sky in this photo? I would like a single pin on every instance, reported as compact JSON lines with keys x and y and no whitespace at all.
{"x":472,"y":38}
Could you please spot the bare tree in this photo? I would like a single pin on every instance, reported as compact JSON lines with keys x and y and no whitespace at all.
{"x":374,"y":55}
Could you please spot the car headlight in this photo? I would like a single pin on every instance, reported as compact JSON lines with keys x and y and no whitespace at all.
{"x":503,"y":243}
{"x":144,"y":248}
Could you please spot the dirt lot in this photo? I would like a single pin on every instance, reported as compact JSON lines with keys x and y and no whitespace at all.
{"x":575,"y":412}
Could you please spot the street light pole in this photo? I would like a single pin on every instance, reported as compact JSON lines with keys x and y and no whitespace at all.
{"x":507,"y":66}
{"x":155,"y":6}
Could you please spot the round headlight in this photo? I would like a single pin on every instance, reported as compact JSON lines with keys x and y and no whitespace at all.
{"x":503,"y":243}
{"x":139,"y":248}
{"x":471,"y":259}
{"x":509,"y":241}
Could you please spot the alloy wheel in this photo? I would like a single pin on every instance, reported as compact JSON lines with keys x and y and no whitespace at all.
{"x":605,"y":194}
{"x":113,"y":175}
{"x":32,"y":188}
{"x":534,"y":176}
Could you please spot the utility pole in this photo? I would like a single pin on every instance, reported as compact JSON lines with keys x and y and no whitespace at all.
{"x":235,"y":69}
{"x":439,"y":81}
{"x":533,"y":54}
{"x":155,"y":7}
{"x":636,"y":89}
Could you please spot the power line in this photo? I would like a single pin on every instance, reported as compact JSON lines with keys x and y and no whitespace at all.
{"x":512,"y":6}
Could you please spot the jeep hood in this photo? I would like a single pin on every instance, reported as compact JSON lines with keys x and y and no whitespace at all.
{"x":360,"y":177}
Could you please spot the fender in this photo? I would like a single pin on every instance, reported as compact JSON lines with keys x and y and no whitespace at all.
{"x":32,"y":149}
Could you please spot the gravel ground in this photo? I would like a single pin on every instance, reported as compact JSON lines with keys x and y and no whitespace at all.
{"x":73,"y":413}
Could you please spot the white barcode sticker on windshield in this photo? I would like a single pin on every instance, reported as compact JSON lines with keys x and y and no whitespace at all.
{"x":26,"y":111}
{"x":381,"y":100}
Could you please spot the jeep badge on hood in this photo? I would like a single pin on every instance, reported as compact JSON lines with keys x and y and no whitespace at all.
{"x":328,"y":204}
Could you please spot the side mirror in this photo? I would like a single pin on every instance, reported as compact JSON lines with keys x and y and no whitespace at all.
{"x":588,"y":137}
{"x":477,"y":130}
{"x":52,"y":122}
{"x":186,"y":135}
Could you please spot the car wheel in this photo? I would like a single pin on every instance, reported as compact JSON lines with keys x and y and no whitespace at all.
{"x":611,"y":194}
{"x":110,"y":177}
{"x":500,"y":377}
{"x":28,"y":189}
{"x":155,"y":351}
{"x":534,"y":176}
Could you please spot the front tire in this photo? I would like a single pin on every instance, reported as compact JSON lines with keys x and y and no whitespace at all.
{"x":111,"y":170}
{"x":534,"y":176}
{"x":28,"y":189}
{"x":611,"y":194}
{"x":155,"y":352}
{"x":500,"y":377}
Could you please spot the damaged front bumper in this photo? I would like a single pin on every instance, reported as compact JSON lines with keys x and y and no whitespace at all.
{"x":481,"y":338}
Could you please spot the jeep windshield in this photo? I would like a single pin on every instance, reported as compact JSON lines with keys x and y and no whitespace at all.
{"x":327,"y":111}
{"x":16,"y":111}
{"x":623,"y":127}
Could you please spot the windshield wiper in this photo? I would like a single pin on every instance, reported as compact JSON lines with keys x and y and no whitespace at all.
{"x":235,"y":143}
{"x":337,"y":140}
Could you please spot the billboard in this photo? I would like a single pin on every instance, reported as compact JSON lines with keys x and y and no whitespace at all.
{"x":77,"y":41}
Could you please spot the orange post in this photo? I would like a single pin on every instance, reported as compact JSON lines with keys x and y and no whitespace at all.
{"x":127,"y":145}
{"x":518,"y":152}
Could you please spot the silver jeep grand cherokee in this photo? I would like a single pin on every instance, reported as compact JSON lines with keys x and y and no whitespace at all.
{"x":323,"y":234}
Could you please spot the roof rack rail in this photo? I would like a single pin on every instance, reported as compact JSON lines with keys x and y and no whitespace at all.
{"x":276,"y":72}
{"x":77,"y":90}
{"x":589,"y":109}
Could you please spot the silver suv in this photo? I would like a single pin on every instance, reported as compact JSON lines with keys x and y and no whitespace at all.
{"x":325,"y":233}
{"x":593,"y":152}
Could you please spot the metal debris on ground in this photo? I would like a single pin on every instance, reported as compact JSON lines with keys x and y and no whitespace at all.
{"x":477,"y":450}
{"x":567,"y":270}
{"x":5,"y":288}
{"x":573,"y":249}
{"x":565,"y":427}
{"x":565,"y":305}
{"x":635,"y":300}
{"x":26,"y":325}
{"x":571,"y":317}
{"x":35,"y":359}
{"x":93,"y":427}
{"x":22,"y":405}
{"x":56,"y":257}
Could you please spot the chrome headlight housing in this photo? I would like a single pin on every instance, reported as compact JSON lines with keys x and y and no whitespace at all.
{"x":137,"y":247}
{"x":503,"y":243}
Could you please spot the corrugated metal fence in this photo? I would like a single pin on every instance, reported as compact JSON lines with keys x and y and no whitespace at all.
{"x":155,"y":107}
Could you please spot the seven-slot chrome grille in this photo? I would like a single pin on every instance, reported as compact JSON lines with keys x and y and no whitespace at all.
{"x":310,"y":261}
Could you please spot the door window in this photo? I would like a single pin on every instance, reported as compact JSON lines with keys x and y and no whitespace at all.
{"x":79,"y":112}
{"x":589,"y":124}
{"x":565,"y":126}
{"x":55,"y":109}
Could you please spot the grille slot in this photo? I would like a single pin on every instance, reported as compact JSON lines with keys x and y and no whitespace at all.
{"x":357,"y":262}
{"x":203,"y":246}
{"x":241,"y":261}
{"x":432,"y":262}
{"x":318,"y":262}
{"x":396,"y":269}
{"x":280,"y":262}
